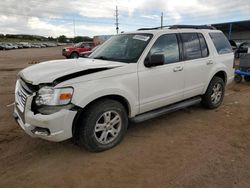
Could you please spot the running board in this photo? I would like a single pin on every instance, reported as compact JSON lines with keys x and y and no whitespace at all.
{"x":165,"y":110}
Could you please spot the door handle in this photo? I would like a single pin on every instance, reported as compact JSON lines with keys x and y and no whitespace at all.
{"x":177,"y":69}
{"x":210,"y":62}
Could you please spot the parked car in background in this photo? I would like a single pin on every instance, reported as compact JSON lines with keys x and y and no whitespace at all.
{"x":14,"y":46}
{"x":74,"y":51}
{"x":20,"y":46}
{"x":242,"y":49}
{"x":35,"y":46}
{"x":50,"y":44}
{"x":2,"y":47}
{"x":9,"y":46}
{"x":87,"y":53}
{"x":233,"y":44}
{"x":42,"y":46}
{"x":24,"y":44}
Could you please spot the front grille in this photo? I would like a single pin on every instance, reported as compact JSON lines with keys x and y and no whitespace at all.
{"x":20,"y":96}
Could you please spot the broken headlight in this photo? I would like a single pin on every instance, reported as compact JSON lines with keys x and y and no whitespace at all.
{"x":49,"y":96}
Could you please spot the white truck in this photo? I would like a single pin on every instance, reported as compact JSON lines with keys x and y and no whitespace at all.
{"x":131,"y":77}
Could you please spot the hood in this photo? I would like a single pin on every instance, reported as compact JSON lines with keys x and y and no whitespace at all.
{"x":50,"y":71}
{"x":70,"y":47}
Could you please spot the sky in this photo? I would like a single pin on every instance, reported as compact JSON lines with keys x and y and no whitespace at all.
{"x":97,"y":17}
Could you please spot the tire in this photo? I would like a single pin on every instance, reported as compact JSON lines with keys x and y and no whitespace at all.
{"x":74,"y":55}
{"x":247,"y":78}
{"x":215,"y":93}
{"x":237,"y":78}
{"x":95,"y":132}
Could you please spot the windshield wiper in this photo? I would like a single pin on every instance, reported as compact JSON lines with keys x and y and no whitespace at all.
{"x":101,"y":57}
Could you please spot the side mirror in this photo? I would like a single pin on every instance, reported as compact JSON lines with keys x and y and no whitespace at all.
{"x":154,"y":60}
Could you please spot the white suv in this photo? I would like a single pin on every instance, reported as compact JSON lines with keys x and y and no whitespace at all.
{"x":132,"y":76}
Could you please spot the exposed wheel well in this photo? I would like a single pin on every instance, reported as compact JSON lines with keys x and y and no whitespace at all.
{"x":118,"y":98}
{"x":222,"y":75}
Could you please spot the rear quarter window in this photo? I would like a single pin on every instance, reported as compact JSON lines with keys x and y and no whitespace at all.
{"x":204,"y":48}
{"x":221,"y":43}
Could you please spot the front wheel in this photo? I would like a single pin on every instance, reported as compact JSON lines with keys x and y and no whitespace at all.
{"x":214,"y":94}
{"x":74,"y":55}
{"x":103,"y":125}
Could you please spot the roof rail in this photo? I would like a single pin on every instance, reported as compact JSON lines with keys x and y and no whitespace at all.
{"x":192,"y":27}
{"x":152,"y":28}
{"x":180,"y":27}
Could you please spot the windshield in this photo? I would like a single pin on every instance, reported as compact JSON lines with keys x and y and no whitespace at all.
{"x":123,"y":48}
{"x":78,"y":45}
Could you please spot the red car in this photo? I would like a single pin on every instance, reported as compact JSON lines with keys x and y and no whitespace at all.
{"x":74,"y":51}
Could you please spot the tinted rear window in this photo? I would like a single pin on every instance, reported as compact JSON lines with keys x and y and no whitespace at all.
{"x":221,"y":43}
{"x":191,"y":44}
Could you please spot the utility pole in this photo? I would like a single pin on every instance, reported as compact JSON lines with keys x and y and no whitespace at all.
{"x":161,"y":20}
{"x":116,"y":20}
{"x":74,"y":24}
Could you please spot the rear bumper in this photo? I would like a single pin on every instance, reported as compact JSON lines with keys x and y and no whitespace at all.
{"x":230,"y":79}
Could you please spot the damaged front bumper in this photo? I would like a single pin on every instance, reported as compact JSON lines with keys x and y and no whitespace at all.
{"x":53,"y":127}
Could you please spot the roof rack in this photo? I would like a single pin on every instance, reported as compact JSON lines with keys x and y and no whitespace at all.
{"x":180,"y":27}
{"x":153,"y":28}
{"x":192,"y":27}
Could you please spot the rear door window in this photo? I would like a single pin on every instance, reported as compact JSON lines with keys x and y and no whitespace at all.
{"x":191,"y":46}
{"x":221,"y":43}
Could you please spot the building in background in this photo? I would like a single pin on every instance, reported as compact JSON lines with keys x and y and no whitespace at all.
{"x":100,"y":39}
{"x":238,"y":31}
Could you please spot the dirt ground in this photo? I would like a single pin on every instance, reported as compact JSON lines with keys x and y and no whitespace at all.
{"x":193,"y":147}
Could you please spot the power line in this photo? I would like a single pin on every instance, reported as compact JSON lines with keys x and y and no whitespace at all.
{"x":74,"y":24}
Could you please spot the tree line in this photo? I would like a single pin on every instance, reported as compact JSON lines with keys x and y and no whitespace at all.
{"x":60,"y":39}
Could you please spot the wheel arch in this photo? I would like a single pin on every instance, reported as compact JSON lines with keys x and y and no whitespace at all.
{"x":115,"y":97}
{"x":221,"y":74}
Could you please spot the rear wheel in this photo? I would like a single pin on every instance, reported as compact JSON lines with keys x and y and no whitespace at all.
{"x":237,"y":78}
{"x":74,"y":55}
{"x":214,"y":94}
{"x":103,"y":125}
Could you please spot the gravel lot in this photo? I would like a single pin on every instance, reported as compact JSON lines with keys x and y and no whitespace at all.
{"x":193,"y":147}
